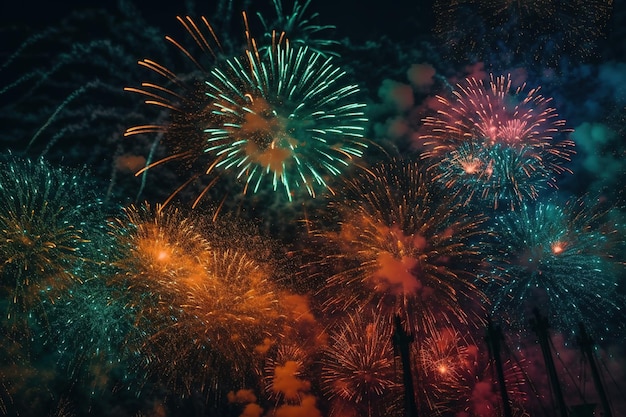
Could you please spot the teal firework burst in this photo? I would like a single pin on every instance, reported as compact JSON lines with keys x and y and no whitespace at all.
{"x":282,"y":115}
{"x":93,"y":325}
{"x":286,"y":115}
{"x":299,"y":28}
{"x":48,"y":228}
{"x":557,"y":257}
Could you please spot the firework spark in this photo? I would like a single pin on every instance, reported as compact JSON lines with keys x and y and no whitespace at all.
{"x":496,"y":141}
{"x":224,"y":323}
{"x":454,"y":375}
{"x":195,"y":303}
{"x":92,"y":327}
{"x":403,"y":248}
{"x":285,"y":116}
{"x":157,"y":252}
{"x":158,"y":249}
{"x":359,"y":366}
{"x":299,"y":29}
{"x":558,"y":257}
{"x":442,"y":363}
{"x":47,"y":222}
{"x":533,"y":31}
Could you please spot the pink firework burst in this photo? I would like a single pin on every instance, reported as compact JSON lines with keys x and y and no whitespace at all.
{"x":513,"y":137}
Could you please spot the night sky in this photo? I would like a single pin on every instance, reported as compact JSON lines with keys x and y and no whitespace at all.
{"x":456,"y":201}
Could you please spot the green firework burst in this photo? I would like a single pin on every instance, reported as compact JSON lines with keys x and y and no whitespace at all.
{"x":47,"y":223}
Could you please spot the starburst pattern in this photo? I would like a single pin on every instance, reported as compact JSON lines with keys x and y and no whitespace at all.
{"x":222,"y":324}
{"x":403,"y":248}
{"x":455,"y":374}
{"x":557,"y":257}
{"x":442,"y":362}
{"x":285,"y":114}
{"x":499,"y":143}
{"x":157,"y":249}
{"x":359,"y":367}
{"x":287,"y":356}
{"x":194,"y":303}
{"x":288,"y":116}
{"x":47,"y":222}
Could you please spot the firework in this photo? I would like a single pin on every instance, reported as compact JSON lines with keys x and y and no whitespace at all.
{"x":285,"y":116}
{"x":157,"y":250}
{"x":298,"y":28}
{"x":295,"y":121}
{"x":442,"y":363}
{"x":157,"y":253}
{"x":92,"y":327}
{"x":49,"y":106}
{"x":287,"y":357}
{"x":499,"y":143}
{"x":195,"y":303}
{"x":454,"y":375}
{"x":537,"y":30}
{"x":49,"y":227}
{"x":222,"y":327}
{"x":404,"y":249}
{"x":359,"y":367}
{"x":556,"y":257}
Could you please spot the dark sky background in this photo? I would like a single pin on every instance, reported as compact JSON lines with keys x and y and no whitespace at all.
{"x":358,"y":19}
{"x":586,"y":91}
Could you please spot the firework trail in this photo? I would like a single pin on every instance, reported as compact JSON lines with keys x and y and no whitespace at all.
{"x":404,"y":249}
{"x":558,"y":258}
{"x":50,"y":104}
{"x":493,"y":142}
{"x":284,"y":116}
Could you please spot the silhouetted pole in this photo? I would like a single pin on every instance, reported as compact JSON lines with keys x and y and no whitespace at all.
{"x":403,"y":341}
{"x":540,"y":327}
{"x":493,"y":338}
{"x":586,"y":344}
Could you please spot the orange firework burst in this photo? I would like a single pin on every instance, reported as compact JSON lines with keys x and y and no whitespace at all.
{"x":158,"y":249}
{"x":442,"y":364}
{"x":223,"y":325}
{"x":205,"y":311}
{"x":403,"y":248}
{"x":287,"y":358}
